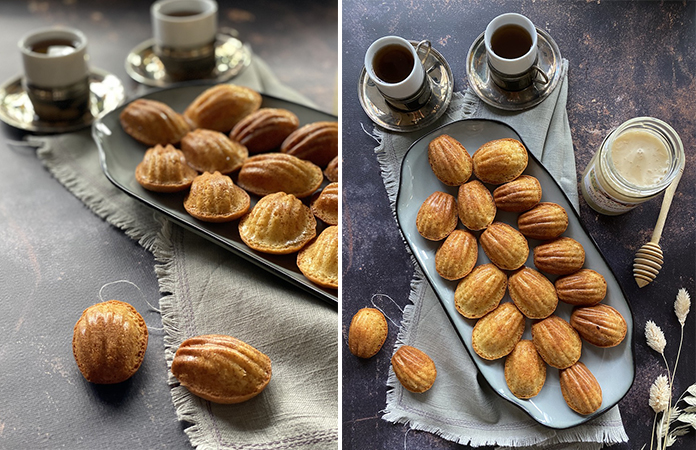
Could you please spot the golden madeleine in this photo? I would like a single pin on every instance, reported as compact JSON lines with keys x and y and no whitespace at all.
{"x":109,"y":342}
{"x":278,"y":224}
{"x":544,"y":221}
{"x":316,"y":142}
{"x":210,"y":151}
{"x":525,"y":371}
{"x":561,"y":256}
{"x":500,"y":161}
{"x":215,"y":198}
{"x":504,"y":246}
{"x":264,"y":130}
{"x":437,"y":216}
{"x":600,"y":325}
{"x":277,"y":172}
{"x":497,"y":333}
{"x":318,"y":261}
{"x":221,"y":369}
{"x":325,"y":206}
{"x":476,"y":206}
{"x":518,"y":195}
{"x":580,"y":389}
{"x":457,"y":255}
{"x":582,"y":288}
{"x":557,"y":342}
{"x":480,"y":292}
{"x":152,"y":122}
{"x":222,"y":106}
{"x":449,"y":160}
{"x":367,"y":332}
{"x":164,"y":169}
{"x":533,"y":293}
{"x":414,"y":369}
{"x":331,"y":171}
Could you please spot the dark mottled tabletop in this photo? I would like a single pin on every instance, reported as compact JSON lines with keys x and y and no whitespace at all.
{"x":56,"y":254}
{"x":626,"y":59}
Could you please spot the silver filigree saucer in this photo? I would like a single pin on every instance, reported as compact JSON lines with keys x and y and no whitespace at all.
{"x":231,"y":57}
{"x":16,"y":110}
{"x":481,"y":83}
{"x":381,"y":113}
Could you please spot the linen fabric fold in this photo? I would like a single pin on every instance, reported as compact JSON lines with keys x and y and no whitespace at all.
{"x":208,"y":290}
{"x":461,"y":406}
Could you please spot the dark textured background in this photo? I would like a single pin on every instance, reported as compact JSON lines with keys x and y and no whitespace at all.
{"x":626,"y":59}
{"x":56,"y":254}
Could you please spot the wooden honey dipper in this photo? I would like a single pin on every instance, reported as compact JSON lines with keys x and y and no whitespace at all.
{"x":648,"y":260}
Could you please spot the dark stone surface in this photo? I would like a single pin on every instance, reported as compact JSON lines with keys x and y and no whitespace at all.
{"x":56,"y":254}
{"x":626,"y":59}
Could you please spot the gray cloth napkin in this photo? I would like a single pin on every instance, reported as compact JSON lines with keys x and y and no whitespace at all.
{"x":209,"y":290}
{"x":461,"y":406}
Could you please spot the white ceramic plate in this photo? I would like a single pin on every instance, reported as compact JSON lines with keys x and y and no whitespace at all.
{"x":613,"y":367}
{"x":120,"y":154}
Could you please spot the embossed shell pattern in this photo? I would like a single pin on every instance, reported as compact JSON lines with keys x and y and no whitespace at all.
{"x":221,"y":368}
{"x":279,"y":223}
{"x":215,"y":198}
{"x":164,"y":169}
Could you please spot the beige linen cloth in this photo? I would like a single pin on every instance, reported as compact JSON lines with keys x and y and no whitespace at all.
{"x":209,"y":290}
{"x":461,"y":407}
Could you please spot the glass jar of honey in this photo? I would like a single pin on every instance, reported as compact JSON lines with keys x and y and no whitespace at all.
{"x":636,"y":162}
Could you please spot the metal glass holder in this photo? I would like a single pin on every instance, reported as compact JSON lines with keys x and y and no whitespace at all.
{"x":381,"y":112}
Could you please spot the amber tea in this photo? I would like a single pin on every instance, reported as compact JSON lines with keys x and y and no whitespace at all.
{"x":511,"y":41}
{"x":393,"y":63}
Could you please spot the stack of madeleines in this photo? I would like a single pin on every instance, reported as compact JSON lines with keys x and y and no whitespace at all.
{"x":203,"y":148}
{"x":499,"y":327}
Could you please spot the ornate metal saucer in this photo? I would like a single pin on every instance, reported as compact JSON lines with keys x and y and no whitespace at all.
{"x":231,"y":57}
{"x":380,"y":112}
{"x":16,"y":110}
{"x":481,"y":83}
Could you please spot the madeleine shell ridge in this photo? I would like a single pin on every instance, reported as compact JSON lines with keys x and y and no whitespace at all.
{"x":414,"y":369}
{"x":210,"y":151}
{"x":318,"y":260}
{"x":580,"y":389}
{"x":222,"y":106}
{"x":476,"y":206}
{"x":480,"y":292}
{"x":367,"y":332}
{"x":164,"y":169}
{"x":316,"y":142}
{"x":500,"y":161}
{"x":497,"y":333}
{"x":325,"y":206}
{"x":506,"y":247}
{"x":215,"y":198}
{"x":533,"y":293}
{"x":265,"y":129}
{"x":582,"y":288}
{"x":525,"y":371}
{"x":545,"y":221}
{"x":449,"y":160}
{"x":109,"y":342}
{"x":600,"y":325}
{"x":269,"y":173}
{"x":152,"y":122}
{"x":561,"y":256}
{"x":278,"y":224}
{"x":457,"y":255}
{"x":518,"y":195}
{"x":437,"y":216}
{"x":221,"y":369}
{"x":557,"y":342}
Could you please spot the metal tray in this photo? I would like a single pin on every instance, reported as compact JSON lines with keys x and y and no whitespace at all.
{"x":120,"y":154}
